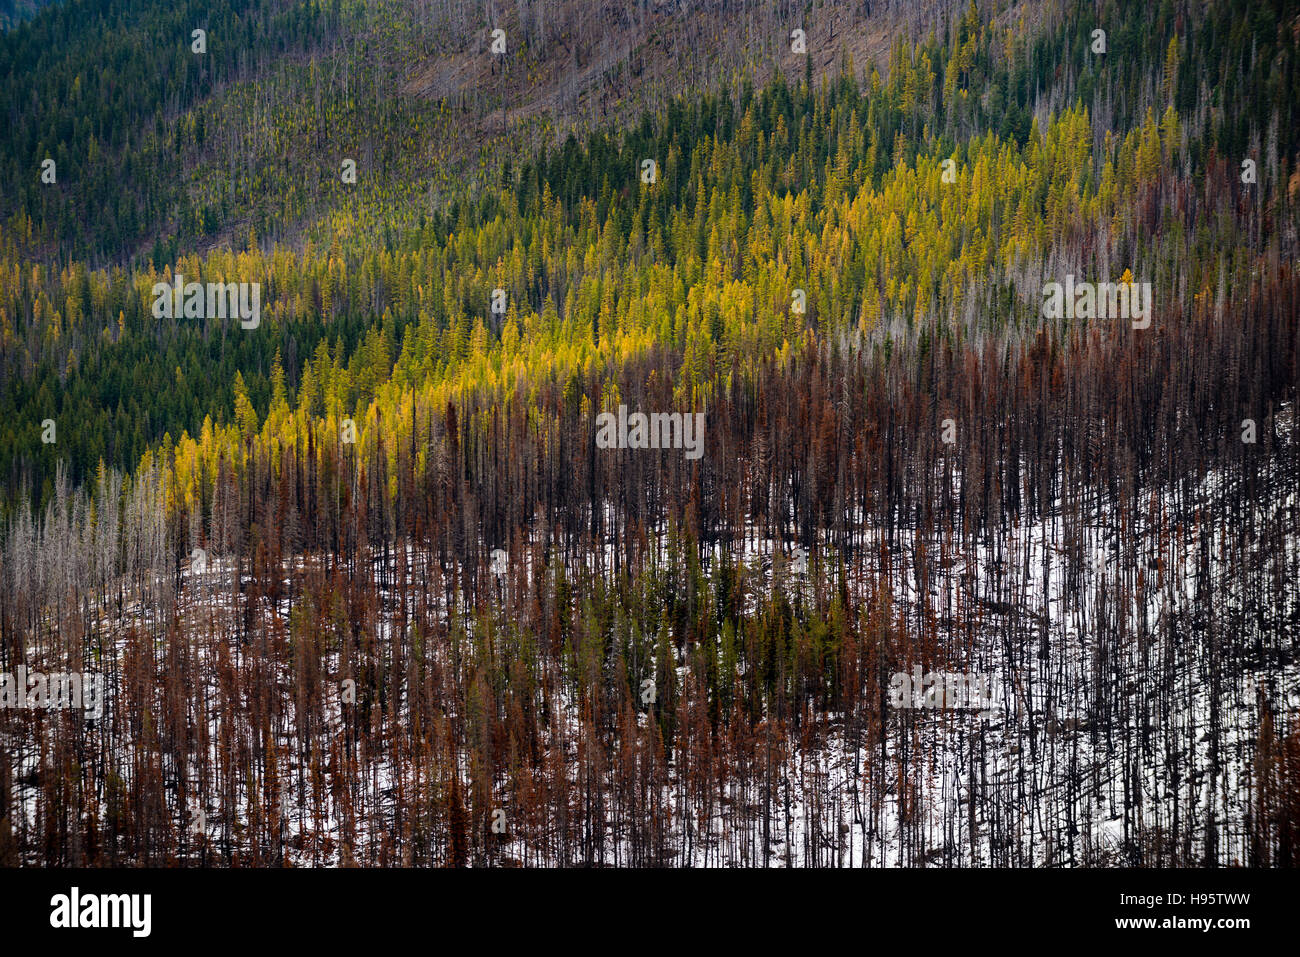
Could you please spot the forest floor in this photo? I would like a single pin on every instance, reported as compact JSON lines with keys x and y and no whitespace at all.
{"x":1089,"y":743}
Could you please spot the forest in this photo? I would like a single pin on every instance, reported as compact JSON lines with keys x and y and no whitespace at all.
{"x":365,"y":584}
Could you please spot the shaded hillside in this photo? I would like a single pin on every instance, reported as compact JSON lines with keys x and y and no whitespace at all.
{"x":375,"y":579}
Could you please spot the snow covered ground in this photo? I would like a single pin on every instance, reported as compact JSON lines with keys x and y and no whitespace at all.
{"x":1062,"y":772}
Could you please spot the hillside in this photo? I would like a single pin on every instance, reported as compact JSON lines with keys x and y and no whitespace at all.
{"x":987,"y":326}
